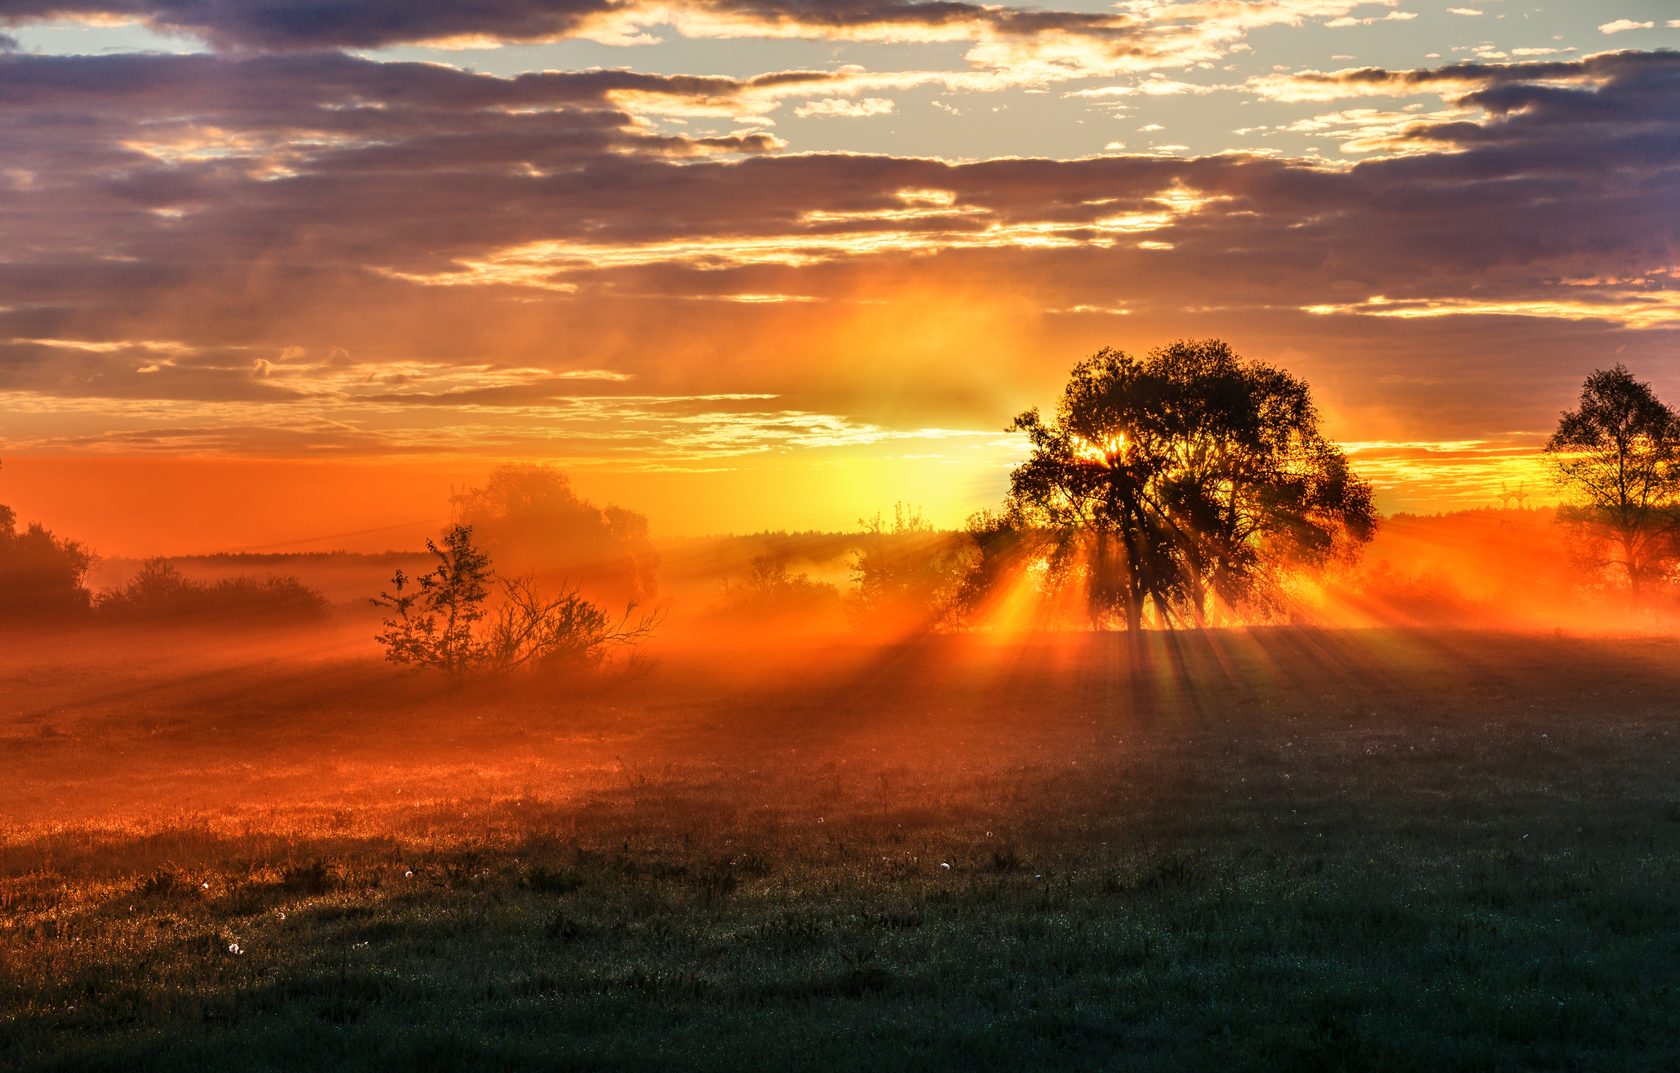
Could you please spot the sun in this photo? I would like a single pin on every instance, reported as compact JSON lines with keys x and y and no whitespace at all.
{"x":1103,"y":452}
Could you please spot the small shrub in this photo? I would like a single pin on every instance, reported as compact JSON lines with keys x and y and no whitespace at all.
{"x":561,"y":928}
{"x":445,"y":619}
{"x":716,"y":883}
{"x":1005,"y":860}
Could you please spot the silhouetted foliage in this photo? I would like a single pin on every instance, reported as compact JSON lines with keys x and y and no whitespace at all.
{"x":531,"y":521}
{"x":905,"y":568}
{"x":433,"y":618}
{"x":445,"y":619}
{"x":563,"y":632}
{"x":41,"y":575}
{"x":1185,"y":481}
{"x":161,"y":592}
{"x":1617,"y":456}
{"x":771,"y":591}
{"x":1000,"y":541}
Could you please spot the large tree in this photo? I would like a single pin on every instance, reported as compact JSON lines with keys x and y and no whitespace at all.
{"x":41,"y":575}
{"x":1617,"y":456}
{"x":1186,"y":481}
{"x":531,"y":520}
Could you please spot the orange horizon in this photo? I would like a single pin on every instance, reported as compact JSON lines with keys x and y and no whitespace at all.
{"x":139,"y":507}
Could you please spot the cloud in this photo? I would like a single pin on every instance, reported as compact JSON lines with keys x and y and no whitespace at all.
{"x":279,"y":26}
{"x":1374,"y":130}
{"x":1629,"y":306}
{"x":124,"y":369}
{"x":1022,"y":45}
{"x":1454,"y":80}
{"x":1622,"y":26}
{"x":1392,"y":16}
{"x":371,"y":257}
{"x":841,"y":107}
{"x":1156,"y":85}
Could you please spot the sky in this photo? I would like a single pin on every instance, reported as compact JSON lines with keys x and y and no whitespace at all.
{"x":279,"y":273}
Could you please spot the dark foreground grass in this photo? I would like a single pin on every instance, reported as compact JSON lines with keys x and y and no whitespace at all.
{"x":1302,"y":853}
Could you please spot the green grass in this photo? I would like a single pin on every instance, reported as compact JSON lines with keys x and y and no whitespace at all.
{"x":1269,"y":851}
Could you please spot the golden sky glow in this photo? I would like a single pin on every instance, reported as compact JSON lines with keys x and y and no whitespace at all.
{"x":748,"y":264}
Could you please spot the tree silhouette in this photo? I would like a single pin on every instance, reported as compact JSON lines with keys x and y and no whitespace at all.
{"x":531,"y":520}
{"x":160,"y":592}
{"x":999,"y":540}
{"x":445,"y":619}
{"x":1185,"y":481}
{"x":772,"y":592}
{"x":564,"y":632}
{"x":41,"y":575}
{"x":432,"y":623}
{"x":904,"y":569}
{"x":1617,"y":454}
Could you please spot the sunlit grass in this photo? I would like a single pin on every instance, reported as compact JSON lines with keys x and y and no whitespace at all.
{"x":1269,"y":850}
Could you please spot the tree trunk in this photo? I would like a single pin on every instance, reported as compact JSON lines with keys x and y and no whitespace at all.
{"x":1635,"y":595}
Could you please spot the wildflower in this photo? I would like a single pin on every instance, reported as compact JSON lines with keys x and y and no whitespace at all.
{"x":233,"y":948}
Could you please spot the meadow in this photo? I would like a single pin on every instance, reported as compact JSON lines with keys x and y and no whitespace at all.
{"x":1281,"y":848}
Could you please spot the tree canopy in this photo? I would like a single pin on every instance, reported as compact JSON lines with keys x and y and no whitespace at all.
{"x":531,"y":520}
{"x":905,"y":571}
{"x":1617,"y":456}
{"x":1185,"y":483}
{"x":40,"y":574}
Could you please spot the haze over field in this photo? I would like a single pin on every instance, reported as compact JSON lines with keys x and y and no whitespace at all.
{"x":777,"y":264}
{"x":839,"y":534}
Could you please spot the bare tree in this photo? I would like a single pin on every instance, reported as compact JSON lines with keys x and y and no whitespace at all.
{"x":531,"y":630}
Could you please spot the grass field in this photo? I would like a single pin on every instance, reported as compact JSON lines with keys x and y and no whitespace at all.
{"x":1269,"y":849}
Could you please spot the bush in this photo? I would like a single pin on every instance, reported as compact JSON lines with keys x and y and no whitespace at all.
{"x":771,"y":591}
{"x":161,"y":592}
{"x":906,"y":572}
{"x":444,"y":619}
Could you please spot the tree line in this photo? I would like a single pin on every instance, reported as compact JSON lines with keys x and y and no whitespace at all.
{"x":43,"y":578}
{"x":1187,"y":486}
